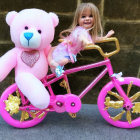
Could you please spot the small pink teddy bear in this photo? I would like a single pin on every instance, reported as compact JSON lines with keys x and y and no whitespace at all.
{"x":32,"y":31}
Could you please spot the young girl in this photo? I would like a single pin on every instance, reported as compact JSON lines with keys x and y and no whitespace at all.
{"x":85,"y":29}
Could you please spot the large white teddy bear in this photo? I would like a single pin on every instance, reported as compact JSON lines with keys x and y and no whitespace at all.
{"x":32,"y":31}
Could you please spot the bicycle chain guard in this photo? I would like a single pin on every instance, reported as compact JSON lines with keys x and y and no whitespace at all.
{"x":69,"y":102}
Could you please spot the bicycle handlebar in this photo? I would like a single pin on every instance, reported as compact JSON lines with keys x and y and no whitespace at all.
{"x":92,"y":46}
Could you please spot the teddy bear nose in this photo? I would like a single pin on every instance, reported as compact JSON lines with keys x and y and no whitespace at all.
{"x":28,"y":35}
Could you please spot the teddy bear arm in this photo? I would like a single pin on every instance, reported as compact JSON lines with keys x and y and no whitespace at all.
{"x":49,"y":57}
{"x":7,"y":63}
{"x":47,"y":50}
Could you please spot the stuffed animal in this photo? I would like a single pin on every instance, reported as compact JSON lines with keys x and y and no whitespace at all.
{"x":32,"y":31}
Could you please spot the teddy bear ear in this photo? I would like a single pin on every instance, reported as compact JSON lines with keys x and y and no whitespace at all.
{"x":55,"y":19}
{"x":10,"y":16}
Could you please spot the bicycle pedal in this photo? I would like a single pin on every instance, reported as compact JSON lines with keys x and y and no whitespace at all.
{"x":72,"y":115}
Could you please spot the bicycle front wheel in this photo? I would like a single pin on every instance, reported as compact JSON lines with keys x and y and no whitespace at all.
{"x":11,"y":109}
{"x":111,"y":104}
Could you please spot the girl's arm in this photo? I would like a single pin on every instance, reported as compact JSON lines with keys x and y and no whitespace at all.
{"x":84,"y":39}
{"x":109,"y":34}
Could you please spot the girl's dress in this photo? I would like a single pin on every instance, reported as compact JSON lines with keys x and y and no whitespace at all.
{"x":69,"y":48}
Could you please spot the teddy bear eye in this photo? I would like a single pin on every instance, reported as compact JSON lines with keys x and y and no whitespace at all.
{"x":39,"y":31}
{"x":26,"y":27}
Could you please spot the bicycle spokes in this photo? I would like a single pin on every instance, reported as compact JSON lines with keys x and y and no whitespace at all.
{"x":128,"y":116}
{"x":119,"y":116}
{"x":114,"y":101}
{"x":15,"y":106}
{"x":24,"y":116}
{"x":12,"y":104}
{"x":113,"y":104}
{"x":115,"y":94}
{"x":37,"y":114}
{"x":136,"y":108}
{"x":135,"y":96}
{"x":129,"y":88}
{"x":136,"y":105}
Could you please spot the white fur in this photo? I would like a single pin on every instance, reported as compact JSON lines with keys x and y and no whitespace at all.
{"x":34,"y":42}
{"x":28,"y":84}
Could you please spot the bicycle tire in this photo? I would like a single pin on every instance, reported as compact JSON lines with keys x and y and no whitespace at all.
{"x":108,"y":112}
{"x":14,"y":120}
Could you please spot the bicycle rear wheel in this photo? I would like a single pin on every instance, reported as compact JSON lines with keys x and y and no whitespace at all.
{"x":111,"y":104}
{"x":11,"y":105}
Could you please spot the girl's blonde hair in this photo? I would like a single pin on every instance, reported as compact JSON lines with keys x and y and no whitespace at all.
{"x":96,"y":30}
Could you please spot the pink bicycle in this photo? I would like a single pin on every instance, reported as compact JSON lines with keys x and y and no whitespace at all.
{"x":118,"y":101}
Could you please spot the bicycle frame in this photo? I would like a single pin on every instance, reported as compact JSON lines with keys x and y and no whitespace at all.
{"x":124,"y":101}
{"x":106,"y":62}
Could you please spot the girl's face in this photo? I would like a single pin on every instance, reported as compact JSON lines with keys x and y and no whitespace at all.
{"x":86,"y":19}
